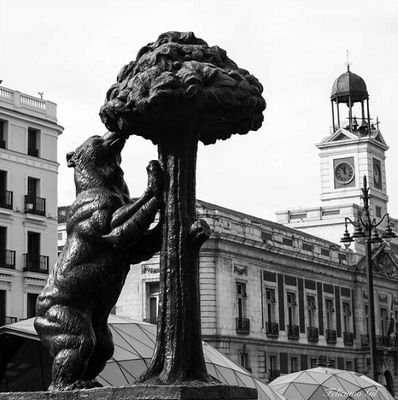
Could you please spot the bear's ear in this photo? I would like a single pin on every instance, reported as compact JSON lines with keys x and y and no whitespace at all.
{"x":69,"y":159}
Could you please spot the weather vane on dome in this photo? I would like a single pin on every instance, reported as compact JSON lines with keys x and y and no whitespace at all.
{"x":348,"y":60}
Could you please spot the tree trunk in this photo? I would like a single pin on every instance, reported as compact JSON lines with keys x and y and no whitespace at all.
{"x":178,"y":355}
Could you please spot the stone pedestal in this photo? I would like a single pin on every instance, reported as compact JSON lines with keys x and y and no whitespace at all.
{"x":143,"y":392}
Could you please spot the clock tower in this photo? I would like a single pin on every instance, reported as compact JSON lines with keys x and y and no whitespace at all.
{"x":354,"y":149}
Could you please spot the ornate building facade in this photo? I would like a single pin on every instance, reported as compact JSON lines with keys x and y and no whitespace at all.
{"x":277,"y":300}
{"x":28,"y":200}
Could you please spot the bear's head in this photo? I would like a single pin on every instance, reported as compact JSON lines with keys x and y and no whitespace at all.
{"x":97,"y":162}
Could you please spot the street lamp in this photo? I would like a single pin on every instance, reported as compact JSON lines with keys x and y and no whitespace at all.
{"x":366,"y":232}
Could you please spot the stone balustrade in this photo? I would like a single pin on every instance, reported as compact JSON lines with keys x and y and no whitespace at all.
{"x":16,"y":99}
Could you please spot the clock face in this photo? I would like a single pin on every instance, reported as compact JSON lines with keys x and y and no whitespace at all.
{"x":376,"y":175}
{"x":344,"y":172}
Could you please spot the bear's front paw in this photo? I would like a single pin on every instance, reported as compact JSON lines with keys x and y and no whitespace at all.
{"x":155,"y":178}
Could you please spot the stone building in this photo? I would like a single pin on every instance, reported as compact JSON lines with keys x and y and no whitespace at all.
{"x":28,"y":200}
{"x":277,"y":300}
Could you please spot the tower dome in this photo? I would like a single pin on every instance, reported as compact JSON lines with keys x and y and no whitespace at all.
{"x":349,"y":85}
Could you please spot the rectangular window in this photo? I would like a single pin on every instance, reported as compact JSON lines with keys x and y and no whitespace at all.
{"x":266,"y":236}
{"x":291,"y":308}
{"x":5,"y":195}
{"x":33,"y":258}
{"x":152,"y":310}
{"x":33,"y":142}
{"x":2,"y":307}
{"x":293,"y":364}
{"x":311,"y":307}
{"x":378,"y":212}
{"x":270,"y":304}
{"x":2,"y":134}
{"x":377,"y":178}
{"x":329,"y":309}
{"x":3,"y":246}
{"x":384,"y":321}
{"x":367,"y":318}
{"x":307,"y":247}
{"x":31,"y":305}
{"x":272,"y":363}
{"x":346,"y":317}
{"x":287,"y":242}
{"x":349,"y":366}
{"x":241,"y":299}
{"x":60,"y":235}
{"x":314,"y":362}
{"x":33,"y":186}
{"x":325,"y":252}
{"x":244,"y":359}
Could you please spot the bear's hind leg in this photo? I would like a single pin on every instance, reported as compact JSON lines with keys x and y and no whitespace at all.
{"x":68,"y":334}
{"x":103,"y":351}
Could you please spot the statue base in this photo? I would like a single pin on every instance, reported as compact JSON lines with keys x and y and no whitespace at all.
{"x":143,"y":392}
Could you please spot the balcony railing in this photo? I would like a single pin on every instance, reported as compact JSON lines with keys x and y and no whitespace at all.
{"x":293,"y":332}
{"x":7,"y":259}
{"x":5,"y":320}
{"x":331,"y":336}
{"x":243,"y":325}
{"x":35,"y":263}
{"x":32,"y":151}
{"x":35,"y":205}
{"x":6,"y":199}
{"x":272,"y":329}
{"x":273,"y":374}
{"x":348,"y":338}
{"x":365,"y":340}
{"x":383,"y":341}
{"x":312,"y":334}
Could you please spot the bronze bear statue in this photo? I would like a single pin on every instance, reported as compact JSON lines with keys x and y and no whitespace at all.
{"x":106,"y":232}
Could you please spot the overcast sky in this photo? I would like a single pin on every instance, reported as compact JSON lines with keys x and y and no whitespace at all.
{"x":72,"y":51}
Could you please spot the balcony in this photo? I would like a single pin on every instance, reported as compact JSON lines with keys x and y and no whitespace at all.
{"x":35,"y":263}
{"x":365,"y":340}
{"x":7,"y":259}
{"x":383,"y":341}
{"x":6,"y":199}
{"x":272,"y":329}
{"x":4,"y":320}
{"x":331,"y":336}
{"x":293,"y":332}
{"x":32,"y":151}
{"x":348,"y":338}
{"x":273,"y":374}
{"x":312,"y":334}
{"x":35,"y":205}
{"x":243,"y":325}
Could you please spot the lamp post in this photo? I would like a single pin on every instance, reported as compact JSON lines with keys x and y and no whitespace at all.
{"x":366,"y":231}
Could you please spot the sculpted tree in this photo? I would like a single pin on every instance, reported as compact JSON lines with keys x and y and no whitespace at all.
{"x":177,"y":92}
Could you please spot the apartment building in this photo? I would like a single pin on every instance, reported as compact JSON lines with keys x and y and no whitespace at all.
{"x":28,"y":200}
